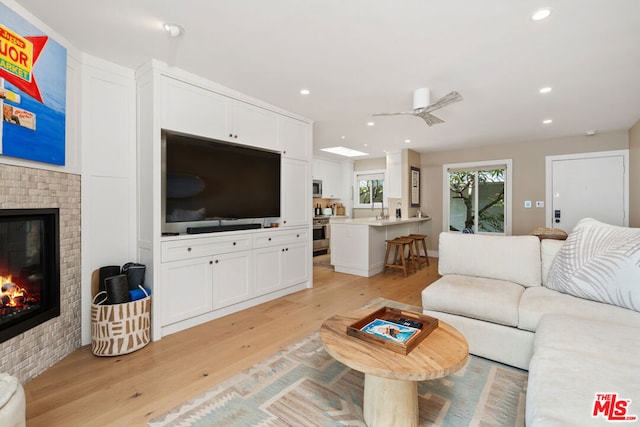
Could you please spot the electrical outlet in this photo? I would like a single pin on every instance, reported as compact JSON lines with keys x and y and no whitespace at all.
{"x":539,"y":204}
{"x":527,"y":204}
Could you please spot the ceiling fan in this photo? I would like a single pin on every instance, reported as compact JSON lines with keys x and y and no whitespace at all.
{"x":423,"y":109}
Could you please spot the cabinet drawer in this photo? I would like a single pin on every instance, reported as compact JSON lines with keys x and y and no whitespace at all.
{"x":279,"y":237}
{"x":199,"y":247}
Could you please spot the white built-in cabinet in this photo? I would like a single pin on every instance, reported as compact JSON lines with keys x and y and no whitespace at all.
{"x":394,"y":175}
{"x":333,"y":181}
{"x":196,"y":278}
{"x":280,"y":260}
{"x":296,"y":186}
{"x":216,"y":116}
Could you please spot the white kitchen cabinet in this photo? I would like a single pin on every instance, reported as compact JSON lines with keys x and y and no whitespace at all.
{"x":332,"y":178}
{"x":294,"y":138}
{"x":295,"y":195}
{"x":394,"y":175}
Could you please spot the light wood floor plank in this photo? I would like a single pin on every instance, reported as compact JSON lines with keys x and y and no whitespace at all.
{"x":86,"y":390}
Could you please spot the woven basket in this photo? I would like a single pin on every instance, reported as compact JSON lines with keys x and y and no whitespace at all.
{"x":120,"y":328}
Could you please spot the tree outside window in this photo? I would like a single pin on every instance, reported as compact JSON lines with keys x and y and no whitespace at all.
{"x":477,"y":200}
{"x":370,"y":187}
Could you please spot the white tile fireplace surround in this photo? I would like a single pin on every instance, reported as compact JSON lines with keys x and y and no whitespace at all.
{"x":29,"y":354}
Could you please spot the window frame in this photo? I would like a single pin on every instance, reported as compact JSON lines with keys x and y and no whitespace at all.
{"x":356,"y":188}
{"x":485,"y":164}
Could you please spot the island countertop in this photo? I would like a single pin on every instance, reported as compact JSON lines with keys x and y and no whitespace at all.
{"x":378,"y":222}
{"x":358,"y":245}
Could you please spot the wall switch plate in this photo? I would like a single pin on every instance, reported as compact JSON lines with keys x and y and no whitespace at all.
{"x":539,"y":204}
{"x":527,"y":204}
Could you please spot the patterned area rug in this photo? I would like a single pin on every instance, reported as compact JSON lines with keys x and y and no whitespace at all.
{"x":303,"y":386}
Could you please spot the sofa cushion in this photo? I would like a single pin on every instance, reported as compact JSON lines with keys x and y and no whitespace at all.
{"x":538,"y":301}
{"x":510,"y":258}
{"x":575,"y":359}
{"x":599,"y":262}
{"x":476,"y":297}
{"x":549,"y":248}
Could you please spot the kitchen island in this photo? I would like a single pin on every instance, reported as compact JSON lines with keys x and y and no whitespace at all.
{"x":358,"y":245}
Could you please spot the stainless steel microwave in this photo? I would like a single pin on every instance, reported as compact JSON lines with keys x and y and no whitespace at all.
{"x":317,"y":188}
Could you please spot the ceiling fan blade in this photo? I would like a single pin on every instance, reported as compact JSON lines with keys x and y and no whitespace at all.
{"x":410,"y":113}
{"x":429,"y":119}
{"x":444,"y":101}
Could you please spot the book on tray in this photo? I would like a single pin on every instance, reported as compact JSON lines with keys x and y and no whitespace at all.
{"x":389,"y":330}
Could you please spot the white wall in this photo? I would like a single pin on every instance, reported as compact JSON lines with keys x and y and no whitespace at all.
{"x":108,"y":135}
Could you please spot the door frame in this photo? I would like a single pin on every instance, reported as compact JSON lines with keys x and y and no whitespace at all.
{"x":578,"y":156}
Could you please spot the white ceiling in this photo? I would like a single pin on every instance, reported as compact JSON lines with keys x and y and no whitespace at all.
{"x":359,"y":57}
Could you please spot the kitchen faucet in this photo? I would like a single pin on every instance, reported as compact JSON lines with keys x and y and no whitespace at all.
{"x":382,"y":216}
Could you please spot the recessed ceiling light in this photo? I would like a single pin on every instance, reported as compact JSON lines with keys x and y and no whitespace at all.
{"x":406,"y":141}
{"x":174,"y":30}
{"x":547,"y":121}
{"x":344,"y":151}
{"x":591,"y":132}
{"x":366,"y":145}
{"x":371,"y":124}
{"x":304,"y":92}
{"x":541,"y":14}
{"x":545,"y":89}
{"x":343,"y":137}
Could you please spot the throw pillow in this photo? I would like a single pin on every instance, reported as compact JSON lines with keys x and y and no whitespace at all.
{"x":599,"y":262}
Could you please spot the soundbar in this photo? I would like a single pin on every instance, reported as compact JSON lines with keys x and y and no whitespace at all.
{"x":218,"y":228}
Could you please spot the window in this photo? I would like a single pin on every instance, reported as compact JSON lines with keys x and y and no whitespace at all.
{"x":369,"y":187}
{"x":477,"y":197}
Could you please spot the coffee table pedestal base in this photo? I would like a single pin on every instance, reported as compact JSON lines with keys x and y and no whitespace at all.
{"x":390,"y":402}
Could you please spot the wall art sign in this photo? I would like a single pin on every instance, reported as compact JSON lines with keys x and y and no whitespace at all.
{"x":415,"y":187}
{"x":33,"y":77}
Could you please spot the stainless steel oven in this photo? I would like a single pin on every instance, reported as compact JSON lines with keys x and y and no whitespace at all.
{"x":321,"y":235}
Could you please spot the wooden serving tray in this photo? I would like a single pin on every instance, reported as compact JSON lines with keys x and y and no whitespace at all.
{"x":428,"y":325}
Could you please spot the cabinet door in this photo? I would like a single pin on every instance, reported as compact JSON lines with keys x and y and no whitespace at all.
{"x":296,"y":264}
{"x":231,"y":278}
{"x":294,"y":138}
{"x":267,"y":270}
{"x":195,"y":110}
{"x":394,"y":175}
{"x":296,"y":193}
{"x":255,"y":126}
{"x":186,"y":289}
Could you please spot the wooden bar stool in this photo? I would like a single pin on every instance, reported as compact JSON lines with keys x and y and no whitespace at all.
{"x":417,"y":240}
{"x":399,"y":244}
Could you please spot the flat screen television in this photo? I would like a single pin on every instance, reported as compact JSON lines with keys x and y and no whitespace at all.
{"x":208,"y":182}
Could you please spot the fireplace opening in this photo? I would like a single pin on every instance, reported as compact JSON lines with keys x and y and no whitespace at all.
{"x":29,"y":269}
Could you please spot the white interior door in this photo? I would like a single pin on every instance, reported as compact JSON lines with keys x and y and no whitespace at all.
{"x":589,"y":185}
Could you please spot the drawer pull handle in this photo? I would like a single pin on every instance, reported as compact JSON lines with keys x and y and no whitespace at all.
{"x":188,"y":249}
{"x":216,"y":261}
{"x":234,"y":243}
{"x":269,"y":238}
{"x":297,"y":235}
{"x":210,"y":262}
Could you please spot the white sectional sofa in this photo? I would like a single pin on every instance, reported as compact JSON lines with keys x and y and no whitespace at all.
{"x":496,"y":290}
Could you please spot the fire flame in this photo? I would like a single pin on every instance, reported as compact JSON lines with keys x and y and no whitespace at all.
{"x":11,"y":291}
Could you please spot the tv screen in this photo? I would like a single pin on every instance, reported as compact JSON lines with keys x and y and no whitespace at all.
{"x":206,"y":179}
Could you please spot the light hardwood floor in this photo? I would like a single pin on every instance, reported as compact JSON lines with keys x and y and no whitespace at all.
{"x":85,"y":390}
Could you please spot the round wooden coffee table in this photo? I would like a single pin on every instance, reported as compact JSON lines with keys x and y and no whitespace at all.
{"x":390,"y":379}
